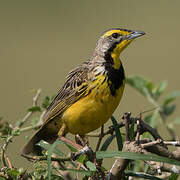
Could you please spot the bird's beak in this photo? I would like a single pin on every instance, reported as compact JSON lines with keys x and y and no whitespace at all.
{"x":134,"y":35}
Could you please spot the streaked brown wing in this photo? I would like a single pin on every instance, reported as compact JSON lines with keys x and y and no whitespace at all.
{"x":74,"y":88}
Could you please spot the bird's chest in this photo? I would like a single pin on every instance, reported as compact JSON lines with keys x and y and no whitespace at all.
{"x":105,"y":101}
{"x":92,"y":111}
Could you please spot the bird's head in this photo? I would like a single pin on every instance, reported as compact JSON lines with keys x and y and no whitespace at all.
{"x":116,"y":40}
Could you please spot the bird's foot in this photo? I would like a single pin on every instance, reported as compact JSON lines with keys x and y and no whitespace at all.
{"x":81,"y":140}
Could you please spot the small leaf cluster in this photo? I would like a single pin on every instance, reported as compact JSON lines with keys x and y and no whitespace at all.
{"x":153,"y":93}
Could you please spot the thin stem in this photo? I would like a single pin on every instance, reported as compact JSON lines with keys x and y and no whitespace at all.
{"x":162,"y":115}
{"x":100,"y":138}
{"x":11,"y":136}
{"x":28,"y":115}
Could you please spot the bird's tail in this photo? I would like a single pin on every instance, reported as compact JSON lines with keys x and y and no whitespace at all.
{"x":31,"y":147}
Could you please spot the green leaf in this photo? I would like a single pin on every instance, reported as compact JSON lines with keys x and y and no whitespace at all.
{"x":86,"y":173}
{"x":149,"y":85}
{"x":91,"y":166}
{"x":171,"y":97}
{"x":141,"y":175}
{"x":82,"y":158}
{"x":140,"y":84}
{"x":154,"y":118}
{"x":118,"y":133}
{"x":56,"y":177}
{"x":13,"y":172}
{"x":2,"y":178}
{"x":169,"y":109}
{"x":50,"y":152}
{"x":34,"y":109}
{"x":148,"y":118}
{"x":40,"y":170}
{"x":47,"y":146}
{"x":160,"y":89}
{"x":107,"y":142}
{"x":46,"y":102}
{"x":135,"y":156}
{"x":16,"y":132}
{"x":6,"y":129}
{"x":173,"y":176}
{"x":70,"y":146}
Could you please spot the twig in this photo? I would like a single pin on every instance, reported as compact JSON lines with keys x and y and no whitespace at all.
{"x":9,"y":162}
{"x":81,"y":140}
{"x":152,"y":131}
{"x":42,"y":158}
{"x":172,"y":143}
{"x":138,"y":131}
{"x":145,"y":146}
{"x":150,"y":144}
{"x":121,"y":164}
{"x":4,"y":147}
{"x":126,"y":118}
{"x":162,"y":115}
{"x":28,"y":115}
{"x":111,"y":128}
{"x":117,"y":169}
{"x":36,"y":126}
{"x":68,"y":141}
{"x":28,"y":128}
{"x":170,"y":168}
{"x":139,"y":128}
{"x":10,"y":137}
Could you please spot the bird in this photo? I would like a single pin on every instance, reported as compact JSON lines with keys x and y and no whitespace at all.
{"x":90,"y":94}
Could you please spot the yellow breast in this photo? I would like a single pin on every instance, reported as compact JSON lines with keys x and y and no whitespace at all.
{"x":92,"y":111}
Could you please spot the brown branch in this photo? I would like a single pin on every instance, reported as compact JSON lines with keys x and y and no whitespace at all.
{"x":42,"y":158}
{"x":111,"y":128}
{"x":172,"y":143}
{"x":147,"y":128}
{"x":121,"y":164}
{"x":170,"y":168}
{"x":126,"y":118}
{"x":145,"y":146}
{"x":8,"y":162}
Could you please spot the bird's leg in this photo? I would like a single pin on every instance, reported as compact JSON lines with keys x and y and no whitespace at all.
{"x":61,"y":136}
{"x":81,"y":140}
{"x":63,"y":130}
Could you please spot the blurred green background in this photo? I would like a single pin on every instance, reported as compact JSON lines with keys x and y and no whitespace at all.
{"x":41,"y":41}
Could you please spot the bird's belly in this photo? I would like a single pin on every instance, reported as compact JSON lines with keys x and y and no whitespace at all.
{"x":92,"y":111}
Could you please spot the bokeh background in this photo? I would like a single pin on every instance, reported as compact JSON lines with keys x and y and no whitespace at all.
{"x":41,"y":41}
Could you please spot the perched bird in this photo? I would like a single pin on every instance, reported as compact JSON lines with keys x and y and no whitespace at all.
{"x":91,"y":92}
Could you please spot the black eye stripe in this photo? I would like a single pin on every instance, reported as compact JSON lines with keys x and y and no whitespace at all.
{"x":115,"y":35}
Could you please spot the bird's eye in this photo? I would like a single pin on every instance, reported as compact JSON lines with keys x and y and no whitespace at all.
{"x":115,"y":35}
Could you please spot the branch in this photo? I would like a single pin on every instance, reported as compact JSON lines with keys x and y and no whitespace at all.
{"x":145,"y":146}
{"x":16,"y":128}
{"x":120,"y":164}
{"x":28,"y":115}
